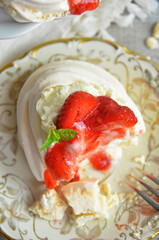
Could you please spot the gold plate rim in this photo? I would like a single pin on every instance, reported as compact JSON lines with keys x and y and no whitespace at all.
{"x":81,"y":40}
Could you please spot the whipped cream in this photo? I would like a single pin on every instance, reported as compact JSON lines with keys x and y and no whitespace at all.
{"x":35,"y":10}
{"x":61,"y":78}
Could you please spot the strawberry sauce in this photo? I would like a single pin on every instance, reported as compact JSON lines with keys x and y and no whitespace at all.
{"x":98,"y":123}
{"x":79,"y":6}
{"x":101,"y":161}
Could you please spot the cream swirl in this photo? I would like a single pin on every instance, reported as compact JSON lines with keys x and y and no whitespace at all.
{"x":44,"y":93}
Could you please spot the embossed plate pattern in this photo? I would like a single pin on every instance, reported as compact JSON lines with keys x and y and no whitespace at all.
{"x":132,"y":218}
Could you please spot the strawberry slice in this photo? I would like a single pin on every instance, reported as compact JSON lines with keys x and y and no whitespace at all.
{"x":61,"y":161}
{"x":50,"y":181}
{"x":76,"y":107}
{"x":110,"y":114}
{"x":79,"y":6}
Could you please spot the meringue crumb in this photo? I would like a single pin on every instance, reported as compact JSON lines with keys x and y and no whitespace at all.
{"x":121,"y":197}
{"x":140,"y":159}
{"x":133,"y":141}
{"x":152,"y":43}
{"x":155,"y":32}
{"x":49,"y":206}
{"x":112,"y":200}
{"x":130,"y":196}
{"x":87,"y":193}
{"x":106,"y":189}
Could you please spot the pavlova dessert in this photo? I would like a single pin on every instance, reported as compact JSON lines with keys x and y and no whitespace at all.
{"x":72,"y":118}
{"x":46,"y":10}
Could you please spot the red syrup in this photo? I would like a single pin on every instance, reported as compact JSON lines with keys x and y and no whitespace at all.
{"x":100,"y":161}
{"x":77,"y":7}
{"x":104,"y":123}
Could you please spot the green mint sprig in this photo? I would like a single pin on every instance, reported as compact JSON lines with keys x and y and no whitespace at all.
{"x":56,"y":135}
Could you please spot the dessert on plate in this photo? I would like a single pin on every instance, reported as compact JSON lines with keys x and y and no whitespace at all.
{"x":45,"y":10}
{"x":72,"y":119}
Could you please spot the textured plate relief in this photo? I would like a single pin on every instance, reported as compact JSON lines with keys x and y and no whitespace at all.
{"x":132,"y":218}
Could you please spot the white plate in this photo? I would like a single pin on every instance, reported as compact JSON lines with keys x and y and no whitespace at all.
{"x":9,"y":28}
{"x":132,"y":218}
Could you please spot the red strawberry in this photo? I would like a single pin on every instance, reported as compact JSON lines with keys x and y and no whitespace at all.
{"x":50,"y":181}
{"x":110,"y":114}
{"x":61,"y":161}
{"x":76,"y":107}
{"x":107,"y":122}
{"x":80,"y":6}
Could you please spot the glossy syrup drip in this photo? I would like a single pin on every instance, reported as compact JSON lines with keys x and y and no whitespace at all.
{"x":101,"y":161}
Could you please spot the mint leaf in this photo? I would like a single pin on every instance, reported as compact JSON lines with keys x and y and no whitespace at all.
{"x":55,"y":135}
{"x":67,"y":134}
{"x":48,"y":141}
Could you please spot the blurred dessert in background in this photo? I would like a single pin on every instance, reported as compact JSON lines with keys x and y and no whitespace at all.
{"x":46,"y":10}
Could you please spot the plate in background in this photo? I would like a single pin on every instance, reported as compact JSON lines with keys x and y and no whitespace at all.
{"x":9,"y":28}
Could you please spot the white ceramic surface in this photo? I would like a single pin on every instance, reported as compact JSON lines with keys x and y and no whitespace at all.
{"x":132,"y":218}
{"x":9,"y":28}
